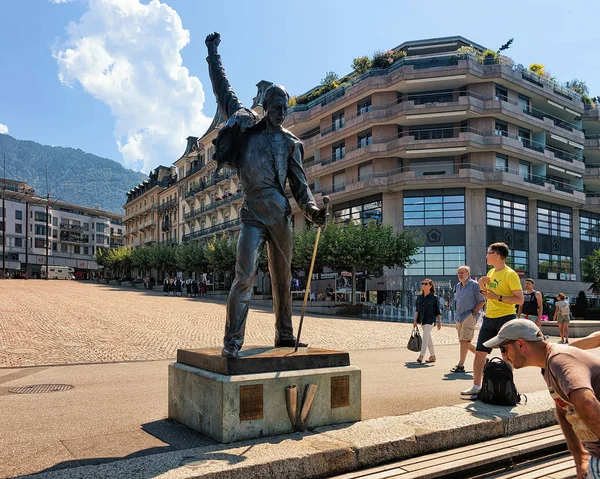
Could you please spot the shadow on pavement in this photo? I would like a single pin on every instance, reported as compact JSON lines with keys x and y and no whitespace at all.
{"x":176,"y":436}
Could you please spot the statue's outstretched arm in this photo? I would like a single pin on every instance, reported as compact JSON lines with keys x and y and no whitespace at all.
{"x":226,"y":98}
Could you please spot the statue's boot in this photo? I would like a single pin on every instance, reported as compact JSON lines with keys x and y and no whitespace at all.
{"x":231,"y":351}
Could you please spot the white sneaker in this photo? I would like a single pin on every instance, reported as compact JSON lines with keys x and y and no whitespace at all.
{"x":472,"y":391}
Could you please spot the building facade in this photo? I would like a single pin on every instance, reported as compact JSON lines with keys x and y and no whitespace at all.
{"x":466,"y":151}
{"x":462,"y":149}
{"x":74,"y":232}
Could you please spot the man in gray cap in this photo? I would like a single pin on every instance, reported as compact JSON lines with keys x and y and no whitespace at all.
{"x":573,"y":379}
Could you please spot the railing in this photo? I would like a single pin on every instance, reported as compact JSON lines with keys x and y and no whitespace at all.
{"x":592,"y":137}
{"x":211,"y":229}
{"x":452,"y":169}
{"x":139,"y":212}
{"x":194,"y":169}
{"x":71,"y":227}
{"x":211,"y":182}
{"x":433,"y":134}
{"x":443,"y":61}
{"x":453,"y":99}
{"x":167,"y":205}
{"x":149,"y":240}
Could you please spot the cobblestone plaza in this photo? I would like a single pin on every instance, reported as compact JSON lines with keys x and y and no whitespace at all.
{"x":68,"y":322}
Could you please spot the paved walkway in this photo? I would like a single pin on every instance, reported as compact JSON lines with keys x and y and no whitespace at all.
{"x":67,"y":322}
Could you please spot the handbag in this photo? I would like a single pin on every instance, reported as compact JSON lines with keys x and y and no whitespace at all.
{"x":415,"y":341}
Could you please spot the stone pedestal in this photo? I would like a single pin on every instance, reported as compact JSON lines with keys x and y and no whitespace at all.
{"x":231,"y":400}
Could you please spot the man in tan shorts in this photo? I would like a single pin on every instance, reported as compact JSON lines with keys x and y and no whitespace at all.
{"x":468,"y":301}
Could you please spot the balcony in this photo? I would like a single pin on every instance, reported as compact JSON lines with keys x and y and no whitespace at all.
{"x":136,"y":242}
{"x":212,"y":230}
{"x":449,"y":102}
{"x":423,"y":174}
{"x":71,"y":227}
{"x":74,"y":239}
{"x":139,"y":212}
{"x":411,"y":67}
{"x":149,"y":239}
{"x":167,"y":206}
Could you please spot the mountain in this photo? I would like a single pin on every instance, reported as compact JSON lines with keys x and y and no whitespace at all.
{"x":74,"y":176}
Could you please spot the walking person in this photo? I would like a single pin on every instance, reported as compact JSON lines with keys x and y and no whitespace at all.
{"x":531,"y":308}
{"x":166,"y":286}
{"x":468,"y":301}
{"x":502,"y":291}
{"x":573,"y":379}
{"x":428,"y":309}
{"x":562,"y":315}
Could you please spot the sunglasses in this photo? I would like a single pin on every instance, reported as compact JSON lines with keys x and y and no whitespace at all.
{"x":503,"y":347}
{"x":425,"y":284}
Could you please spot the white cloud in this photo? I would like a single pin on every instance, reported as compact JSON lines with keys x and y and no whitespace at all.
{"x":3,"y":129}
{"x":61,"y":1}
{"x":127,"y":55}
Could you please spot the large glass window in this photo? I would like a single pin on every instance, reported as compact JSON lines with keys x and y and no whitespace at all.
{"x":339,"y":151}
{"x":359,"y":211}
{"x":507,"y":212}
{"x":365,"y":171}
{"x":365,"y":139}
{"x":589,"y":227}
{"x":554,"y":266}
{"x":339,"y":181}
{"x":501,"y":93}
{"x":40,"y":230}
{"x":554,"y":220}
{"x":337,"y":121}
{"x":501,"y":128}
{"x":41,"y":216}
{"x":518,"y":260}
{"x":18,"y":215}
{"x":434,"y":210}
{"x":437,"y":261}
{"x":501,"y":162}
{"x":363,"y":106}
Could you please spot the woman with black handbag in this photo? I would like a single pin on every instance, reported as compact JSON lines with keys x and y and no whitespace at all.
{"x":428,"y":309}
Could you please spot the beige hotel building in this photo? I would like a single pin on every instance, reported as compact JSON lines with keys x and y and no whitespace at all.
{"x":465,"y":151}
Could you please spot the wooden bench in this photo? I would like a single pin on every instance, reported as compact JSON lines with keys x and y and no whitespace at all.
{"x":496,"y":456}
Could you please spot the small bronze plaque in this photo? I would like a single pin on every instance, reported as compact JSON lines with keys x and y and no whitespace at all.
{"x":340,"y":391}
{"x":251,"y":402}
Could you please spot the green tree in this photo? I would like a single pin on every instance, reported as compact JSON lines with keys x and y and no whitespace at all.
{"x":162,"y":258}
{"x":370,"y":248}
{"x":304,"y":243}
{"x":141,"y":258}
{"x":590,"y":268}
{"x":330,"y":77}
{"x":579,"y":86}
{"x":361,"y":64}
{"x":221,"y":254}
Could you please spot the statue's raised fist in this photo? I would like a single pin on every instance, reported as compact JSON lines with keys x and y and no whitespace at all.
{"x":213,"y":40}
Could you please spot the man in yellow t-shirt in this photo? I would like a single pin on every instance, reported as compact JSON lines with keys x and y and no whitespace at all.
{"x":502,"y":291}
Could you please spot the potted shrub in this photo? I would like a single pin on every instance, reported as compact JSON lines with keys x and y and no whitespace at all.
{"x":490,"y":57}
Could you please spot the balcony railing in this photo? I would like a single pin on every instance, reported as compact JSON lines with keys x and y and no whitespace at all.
{"x":211,"y":182}
{"x":70,"y":227}
{"x":450,"y":133}
{"x":212,"y":229}
{"x":444,"y":61}
{"x":452,"y":169}
{"x":167,"y":205}
{"x":382,"y":112}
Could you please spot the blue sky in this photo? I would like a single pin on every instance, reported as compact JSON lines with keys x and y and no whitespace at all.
{"x":127,"y":79}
